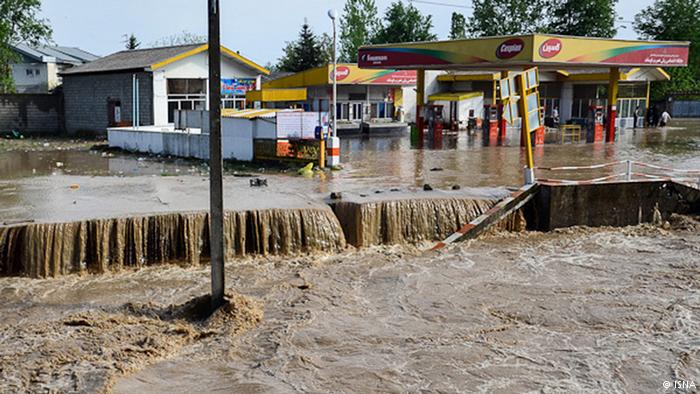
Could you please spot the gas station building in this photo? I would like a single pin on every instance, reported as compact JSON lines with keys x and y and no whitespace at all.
{"x":378,"y":98}
{"x":575,"y":73}
{"x":571,"y":91}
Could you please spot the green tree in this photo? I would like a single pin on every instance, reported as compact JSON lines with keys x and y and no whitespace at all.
{"x":586,"y":18}
{"x":505,"y":17}
{"x":358,"y":26}
{"x":304,"y":53}
{"x":183,"y":38}
{"x":677,"y":20}
{"x":326,"y":46}
{"x":404,"y":24}
{"x":130,"y":42}
{"x":458,"y":28}
{"x":19,"y":22}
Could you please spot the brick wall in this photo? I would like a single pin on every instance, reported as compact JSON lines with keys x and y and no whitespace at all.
{"x":31,"y":114}
{"x":87,"y":96}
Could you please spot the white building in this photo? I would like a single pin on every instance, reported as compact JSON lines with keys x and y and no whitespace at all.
{"x":159,"y":81}
{"x":38,"y":68}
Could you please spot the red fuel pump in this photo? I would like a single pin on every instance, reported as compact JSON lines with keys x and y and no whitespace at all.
{"x":491,"y":125}
{"x":596,"y":124}
{"x":436,"y":122}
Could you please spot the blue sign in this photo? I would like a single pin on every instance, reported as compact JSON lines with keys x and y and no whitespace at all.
{"x":237,"y":86}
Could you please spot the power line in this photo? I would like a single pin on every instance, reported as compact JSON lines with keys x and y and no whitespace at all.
{"x":440,"y":4}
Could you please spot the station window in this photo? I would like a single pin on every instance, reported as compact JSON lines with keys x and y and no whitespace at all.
{"x":184,"y":94}
{"x":357,"y":111}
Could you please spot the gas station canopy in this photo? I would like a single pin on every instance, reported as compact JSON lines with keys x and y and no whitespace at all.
{"x":540,"y":50}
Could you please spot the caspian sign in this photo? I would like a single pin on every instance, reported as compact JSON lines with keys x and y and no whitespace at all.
{"x":510,"y":48}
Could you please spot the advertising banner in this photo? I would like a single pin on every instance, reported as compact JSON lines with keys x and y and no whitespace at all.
{"x":580,"y":50}
{"x":237,"y":86}
{"x":353,"y":75}
{"x":530,"y":49}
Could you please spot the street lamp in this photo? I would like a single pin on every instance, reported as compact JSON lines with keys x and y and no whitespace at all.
{"x":333,"y":15}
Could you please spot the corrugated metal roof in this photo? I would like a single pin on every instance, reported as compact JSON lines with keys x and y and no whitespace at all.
{"x":254,"y":113}
{"x":77,"y":53}
{"x":132,"y":60}
{"x":65,"y":55}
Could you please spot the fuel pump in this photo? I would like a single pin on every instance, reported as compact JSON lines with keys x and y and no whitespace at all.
{"x":595,"y":123}
{"x":435,"y":118}
{"x":491,"y":124}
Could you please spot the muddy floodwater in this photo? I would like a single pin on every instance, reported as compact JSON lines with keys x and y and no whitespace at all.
{"x":390,"y":161}
{"x":574,"y":310}
{"x":577,"y":310}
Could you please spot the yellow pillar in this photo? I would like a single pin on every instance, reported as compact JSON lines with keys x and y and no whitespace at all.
{"x":494,"y":97}
{"x":612,"y":103}
{"x":525,"y":121}
{"x":648,"y":103}
{"x":502,"y":122}
{"x":322,"y":151}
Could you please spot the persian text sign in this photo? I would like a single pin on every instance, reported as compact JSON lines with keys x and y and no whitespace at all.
{"x":579,"y":50}
{"x":237,"y":86}
{"x":353,"y":75}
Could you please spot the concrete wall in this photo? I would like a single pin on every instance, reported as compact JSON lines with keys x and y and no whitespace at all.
{"x":611,"y":204}
{"x":409,"y":103}
{"x":31,"y":113}
{"x":236,"y":140}
{"x":685,"y":109}
{"x":87,"y":95}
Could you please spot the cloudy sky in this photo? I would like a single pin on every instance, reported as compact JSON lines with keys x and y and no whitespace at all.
{"x":258,"y":29}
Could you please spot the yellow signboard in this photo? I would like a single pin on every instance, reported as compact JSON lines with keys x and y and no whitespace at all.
{"x":348,"y":74}
{"x":531,"y":49}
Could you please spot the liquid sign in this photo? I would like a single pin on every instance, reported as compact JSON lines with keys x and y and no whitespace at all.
{"x":342,"y":71}
{"x":550,"y":48}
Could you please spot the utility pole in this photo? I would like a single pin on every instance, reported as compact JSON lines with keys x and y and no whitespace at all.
{"x":216,"y":215}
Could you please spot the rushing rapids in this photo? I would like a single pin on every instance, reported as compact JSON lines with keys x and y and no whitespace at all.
{"x":96,"y":246}
{"x":408,"y":221}
{"x":41,"y":250}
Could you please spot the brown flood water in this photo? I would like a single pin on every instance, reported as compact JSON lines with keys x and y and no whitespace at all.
{"x":579,"y":310}
{"x":383,"y":162}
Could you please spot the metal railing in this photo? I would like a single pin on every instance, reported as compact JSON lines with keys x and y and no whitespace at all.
{"x":630,"y":173}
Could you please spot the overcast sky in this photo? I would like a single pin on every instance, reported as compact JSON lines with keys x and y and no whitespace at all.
{"x":258,"y":29}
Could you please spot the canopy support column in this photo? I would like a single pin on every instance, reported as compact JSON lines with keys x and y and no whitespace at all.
{"x":420,"y":102}
{"x":502,"y":124}
{"x":613,"y":89}
{"x":646,"y":105}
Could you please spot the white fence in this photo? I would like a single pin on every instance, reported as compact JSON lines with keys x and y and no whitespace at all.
{"x":626,"y":170}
